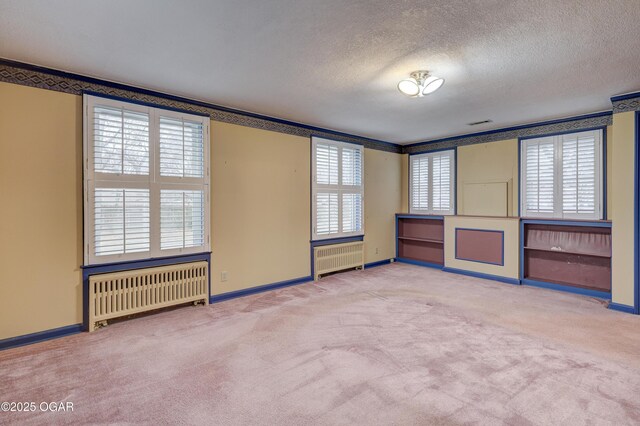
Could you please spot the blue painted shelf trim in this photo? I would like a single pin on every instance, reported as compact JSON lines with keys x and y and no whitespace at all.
{"x":506,"y":280}
{"x":88,"y":270}
{"x":260,"y":289}
{"x":588,"y":223}
{"x":419,"y":263}
{"x":568,"y":289}
{"x":40,"y":336}
{"x":621,"y":308}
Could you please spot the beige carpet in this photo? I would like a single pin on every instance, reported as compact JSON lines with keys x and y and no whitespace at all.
{"x":397,"y":344}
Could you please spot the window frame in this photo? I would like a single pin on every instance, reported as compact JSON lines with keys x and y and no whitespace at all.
{"x":339,"y":188}
{"x":154,"y":182}
{"x":452,"y":152}
{"x":600,"y":176}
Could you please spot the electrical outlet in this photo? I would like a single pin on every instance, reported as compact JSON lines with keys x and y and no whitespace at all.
{"x":224,"y":275}
{"x":376,"y":250}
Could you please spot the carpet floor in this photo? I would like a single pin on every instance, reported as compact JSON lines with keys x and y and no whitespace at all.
{"x":392,"y":345}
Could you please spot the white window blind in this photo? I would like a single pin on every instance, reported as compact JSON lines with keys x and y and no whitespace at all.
{"x":338,"y":189}
{"x":146,"y":182}
{"x":562,"y":176}
{"x":432,"y":183}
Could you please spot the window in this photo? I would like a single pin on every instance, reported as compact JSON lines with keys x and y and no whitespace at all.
{"x":146,"y":182}
{"x":338,"y":190}
{"x":432,"y":183}
{"x":562,"y":176}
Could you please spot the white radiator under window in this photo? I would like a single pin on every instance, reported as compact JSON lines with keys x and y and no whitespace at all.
{"x":124,"y":293}
{"x":338,"y":257}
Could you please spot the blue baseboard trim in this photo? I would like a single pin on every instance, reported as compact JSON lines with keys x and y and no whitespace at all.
{"x":253,"y":290}
{"x":506,"y":280}
{"x":621,"y":308}
{"x":568,"y":289}
{"x":41,"y":336}
{"x":419,"y":263}
{"x":378,"y":263}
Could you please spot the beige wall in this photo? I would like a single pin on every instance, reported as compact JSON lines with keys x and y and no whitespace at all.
{"x":404,"y":186}
{"x":382,"y":200}
{"x":511,"y":229}
{"x":490,"y":170}
{"x":260,"y":207}
{"x":622,"y":167}
{"x":41,"y":214}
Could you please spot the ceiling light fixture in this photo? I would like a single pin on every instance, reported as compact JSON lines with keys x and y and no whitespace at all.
{"x":420,"y":84}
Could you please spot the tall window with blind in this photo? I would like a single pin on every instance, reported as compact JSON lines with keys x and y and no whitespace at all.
{"x":562,"y":176}
{"x":146,"y":180}
{"x":432,"y":183}
{"x":337,"y":189}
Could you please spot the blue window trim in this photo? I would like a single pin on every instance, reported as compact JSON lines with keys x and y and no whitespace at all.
{"x":89,"y":270}
{"x":480,"y":230}
{"x":604,"y":162}
{"x":455,"y":176}
{"x":636,"y":218}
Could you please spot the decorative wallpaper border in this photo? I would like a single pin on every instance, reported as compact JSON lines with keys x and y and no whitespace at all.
{"x":536,"y":129}
{"x":625,"y":103}
{"x":44,"y":78}
{"x":60,"y":81}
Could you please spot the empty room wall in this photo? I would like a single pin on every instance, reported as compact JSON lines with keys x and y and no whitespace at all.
{"x":41,"y":214}
{"x":622,"y":238}
{"x":260,"y":207}
{"x":260,"y":204}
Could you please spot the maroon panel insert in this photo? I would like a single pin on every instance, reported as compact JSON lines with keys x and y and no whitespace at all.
{"x":421,"y":239}
{"x":477,"y":245}
{"x":578,"y":256}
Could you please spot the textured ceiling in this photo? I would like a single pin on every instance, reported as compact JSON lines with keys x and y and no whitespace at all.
{"x":335,"y":63}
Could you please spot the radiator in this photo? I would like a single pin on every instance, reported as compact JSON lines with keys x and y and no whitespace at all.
{"x":124,"y":293}
{"x":337,"y":257}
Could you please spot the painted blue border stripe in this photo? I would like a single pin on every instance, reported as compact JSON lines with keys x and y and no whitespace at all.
{"x":121,"y":86}
{"x":378,"y":263}
{"x":636,"y":218}
{"x":621,"y":308}
{"x":568,"y":289}
{"x":419,"y":263}
{"x":625,"y":97}
{"x":259,"y":289}
{"x":519,"y":127}
{"x":41,"y":336}
{"x":506,"y":280}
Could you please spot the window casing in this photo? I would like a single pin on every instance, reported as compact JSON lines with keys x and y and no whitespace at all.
{"x":146,"y":182}
{"x":337,"y":189}
{"x":562,"y":176}
{"x":432,"y":183}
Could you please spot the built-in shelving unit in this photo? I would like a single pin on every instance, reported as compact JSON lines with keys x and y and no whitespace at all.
{"x":420,"y":239}
{"x":567,"y":253}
